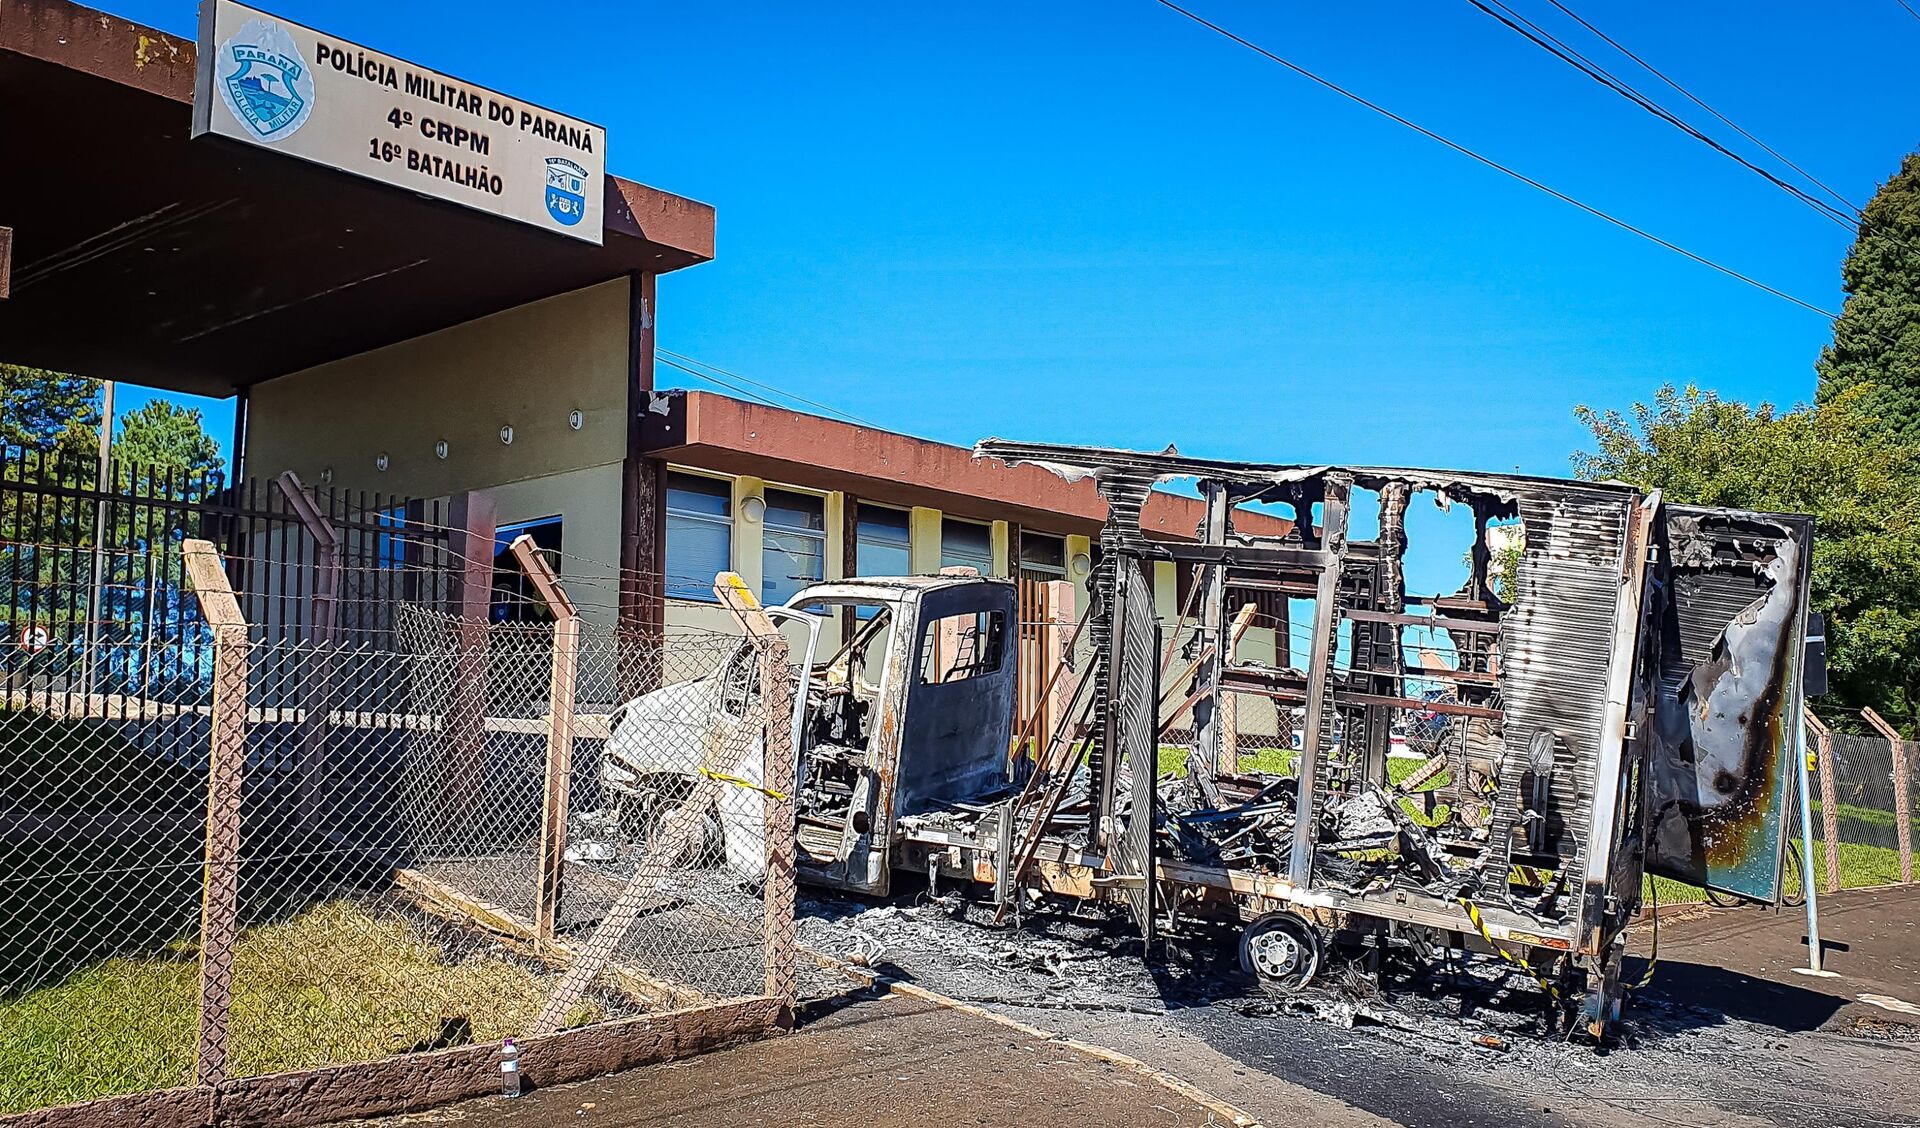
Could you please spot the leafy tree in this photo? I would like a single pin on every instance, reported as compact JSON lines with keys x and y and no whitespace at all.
{"x":1876,"y":340}
{"x":47,"y":411}
{"x":1824,"y":460}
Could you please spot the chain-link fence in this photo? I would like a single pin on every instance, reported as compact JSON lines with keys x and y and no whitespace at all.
{"x":320,"y":853}
{"x":1864,"y":801}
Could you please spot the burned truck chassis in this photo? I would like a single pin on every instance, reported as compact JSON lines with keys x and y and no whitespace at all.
{"x":1597,"y":704}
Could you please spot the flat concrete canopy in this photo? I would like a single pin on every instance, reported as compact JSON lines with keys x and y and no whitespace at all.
{"x":203,"y":266}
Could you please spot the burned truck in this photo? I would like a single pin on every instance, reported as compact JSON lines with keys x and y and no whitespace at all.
{"x":1615,"y":690}
{"x":1493,"y":768}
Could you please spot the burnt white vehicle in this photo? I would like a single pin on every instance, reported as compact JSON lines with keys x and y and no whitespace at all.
{"x":910,"y":718}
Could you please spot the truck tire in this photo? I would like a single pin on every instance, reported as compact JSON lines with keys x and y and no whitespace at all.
{"x":1282,"y":951}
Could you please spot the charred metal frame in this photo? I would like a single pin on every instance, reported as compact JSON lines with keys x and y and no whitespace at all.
{"x":1554,"y":701}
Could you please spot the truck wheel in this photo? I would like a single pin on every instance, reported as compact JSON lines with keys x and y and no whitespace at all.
{"x":1282,"y":951}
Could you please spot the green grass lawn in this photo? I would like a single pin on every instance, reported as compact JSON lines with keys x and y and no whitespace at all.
{"x":334,"y":984}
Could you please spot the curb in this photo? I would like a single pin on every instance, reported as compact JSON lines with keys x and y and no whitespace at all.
{"x":1134,"y":1065}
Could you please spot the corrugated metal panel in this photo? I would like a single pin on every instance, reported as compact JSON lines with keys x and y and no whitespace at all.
{"x":1556,"y":646}
{"x":1137,"y":751}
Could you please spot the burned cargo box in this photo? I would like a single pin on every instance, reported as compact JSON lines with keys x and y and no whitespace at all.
{"x":1468,"y":767}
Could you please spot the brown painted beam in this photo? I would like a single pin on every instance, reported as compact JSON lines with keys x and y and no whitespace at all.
{"x":643,"y":510}
{"x":6,"y":260}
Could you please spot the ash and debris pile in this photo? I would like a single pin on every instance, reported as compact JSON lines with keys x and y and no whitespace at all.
{"x":1466,"y":1012}
{"x":1044,"y":961}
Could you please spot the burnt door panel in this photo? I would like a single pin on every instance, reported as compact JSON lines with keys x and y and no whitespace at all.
{"x":1729,"y":702}
{"x":1134,"y":737}
{"x":959,"y":701}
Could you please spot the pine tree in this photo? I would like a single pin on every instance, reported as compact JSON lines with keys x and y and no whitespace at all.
{"x":1877,"y":337}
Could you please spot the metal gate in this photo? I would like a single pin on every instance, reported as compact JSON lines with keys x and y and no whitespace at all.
{"x":1133,"y":736}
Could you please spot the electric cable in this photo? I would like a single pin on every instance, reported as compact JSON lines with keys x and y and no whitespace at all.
{"x":1545,"y":40}
{"x":1691,"y":97}
{"x":797,"y":398}
{"x":1493,"y":164}
{"x":734,"y":388}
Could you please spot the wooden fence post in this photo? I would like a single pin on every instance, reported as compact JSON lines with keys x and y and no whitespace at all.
{"x":226,"y":762}
{"x":1902,"y":803}
{"x":679,"y":832}
{"x":553,"y":806}
{"x":777,"y":780}
{"x":1829,"y":806}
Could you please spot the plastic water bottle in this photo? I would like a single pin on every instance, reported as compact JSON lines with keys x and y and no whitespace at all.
{"x":509,"y":1069}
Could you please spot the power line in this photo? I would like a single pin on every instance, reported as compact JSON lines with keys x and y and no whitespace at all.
{"x":1493,"y":164}
{"x":1909,"y":8}
{"x":734,"y":388}
{"x":1722,"y":118}
{"x":1546,"y":41}
{"x":847,"y":415}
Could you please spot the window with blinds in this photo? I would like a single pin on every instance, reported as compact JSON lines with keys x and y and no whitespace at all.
{"x":699,"y":534}
{"x":963,"y":543}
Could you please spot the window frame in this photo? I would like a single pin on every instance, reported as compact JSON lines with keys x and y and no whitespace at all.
{"x":769,"y":525}
{"x":906,"y":536}
{"x":1048,"y":571}
{"x":725,"y":521}
{"x":947,"y":520}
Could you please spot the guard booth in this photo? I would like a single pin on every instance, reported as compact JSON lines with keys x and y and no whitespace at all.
{"x":422,"y":295}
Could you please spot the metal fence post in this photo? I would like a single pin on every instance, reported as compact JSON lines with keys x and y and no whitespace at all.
{"x":226,"y":761}
{"x":317,"y":698}
{"x":1829,"y":804}
{"x":553,"y":807}
{"x":472,"y":547}
{"x":1902,"y":803}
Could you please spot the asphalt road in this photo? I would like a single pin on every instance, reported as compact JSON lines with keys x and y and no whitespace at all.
{"x":1727,"y":1034}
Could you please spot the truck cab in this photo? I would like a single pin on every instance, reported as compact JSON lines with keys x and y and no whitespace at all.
{"x":913,"y":712}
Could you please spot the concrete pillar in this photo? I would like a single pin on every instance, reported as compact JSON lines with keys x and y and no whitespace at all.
{"x":1078,"y":546}
{"x":1166,"y":592}
{"x":923,"y":541}
{"x":835,"y":512}
{"x":748,"y":534}
{"x":1000,"y":535}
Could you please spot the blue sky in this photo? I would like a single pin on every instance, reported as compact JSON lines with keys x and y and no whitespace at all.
{"x":1100,"y":223}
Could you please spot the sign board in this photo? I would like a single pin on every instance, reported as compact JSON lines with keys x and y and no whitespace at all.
{"x":277,"y":85}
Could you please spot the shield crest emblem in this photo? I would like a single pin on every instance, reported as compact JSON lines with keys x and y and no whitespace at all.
{"x":265,"y":81}
{"x":566,"y":191}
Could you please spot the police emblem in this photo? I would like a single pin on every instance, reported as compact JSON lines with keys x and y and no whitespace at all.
{"x":566,"y":191}
{"x":266,"y":83}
